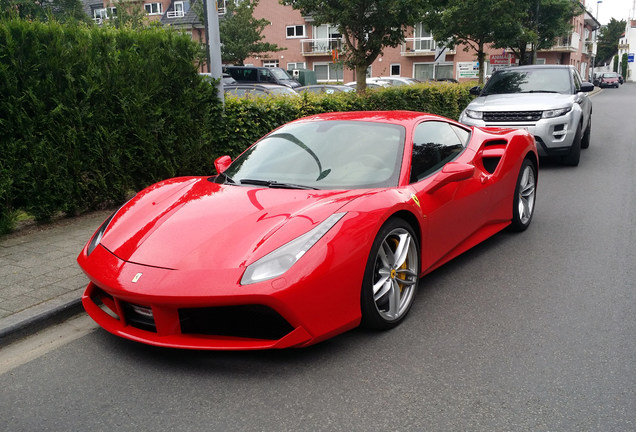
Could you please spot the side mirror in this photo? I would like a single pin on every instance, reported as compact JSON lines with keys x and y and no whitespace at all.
{"x":222,"y":163}
{"x":475,"y":90}
{"x":587,"y":87}
{"x":452,"y":172}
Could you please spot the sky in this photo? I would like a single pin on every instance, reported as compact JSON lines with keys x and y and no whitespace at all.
{"x":608,"y":9}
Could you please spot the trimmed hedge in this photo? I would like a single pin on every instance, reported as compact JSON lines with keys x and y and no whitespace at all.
{"x":89,"y":114}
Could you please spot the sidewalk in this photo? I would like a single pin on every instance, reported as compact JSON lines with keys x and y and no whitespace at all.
{"x":40,"y":281}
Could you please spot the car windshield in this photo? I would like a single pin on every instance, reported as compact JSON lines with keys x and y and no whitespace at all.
{"x":324,"y":155}
{"x":541,"y":80}
{"x":281,"y":74}
{"x":610,"y":75}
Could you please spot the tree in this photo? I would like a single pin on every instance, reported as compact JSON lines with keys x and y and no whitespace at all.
{"x":541,"y":23}
{"x":60,"y":10}
{"x":241,"y":34}
{"x":366,"y":26}
{"x":463,"y":22}
{"x":608,"y":41}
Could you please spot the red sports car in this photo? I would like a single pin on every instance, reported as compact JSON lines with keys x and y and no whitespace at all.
{"x":326,"y":223}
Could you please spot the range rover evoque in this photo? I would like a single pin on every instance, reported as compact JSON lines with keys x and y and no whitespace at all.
{"x":550,"y":101}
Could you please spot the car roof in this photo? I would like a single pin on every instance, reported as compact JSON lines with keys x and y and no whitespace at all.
{"x":395,"y":117}
{"x":261,"y":86}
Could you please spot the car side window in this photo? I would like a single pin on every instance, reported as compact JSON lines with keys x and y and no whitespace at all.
{"x":434,"y":144}
{"x":577,"y":81}
{"x":265,"y":75}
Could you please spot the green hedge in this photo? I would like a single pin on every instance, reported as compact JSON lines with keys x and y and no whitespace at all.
{"x":89,"y":114}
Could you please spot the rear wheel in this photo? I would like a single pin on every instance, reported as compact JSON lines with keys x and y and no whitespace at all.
{"x":573,"y":158}
{"x":391,"y":276}
{"x":524,"y":198}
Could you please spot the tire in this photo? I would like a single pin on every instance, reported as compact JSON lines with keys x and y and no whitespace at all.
{"x":573,"y":158}
{"x":524,"y":198}
{"x":585,"y":141}
{"x":390,"y":280}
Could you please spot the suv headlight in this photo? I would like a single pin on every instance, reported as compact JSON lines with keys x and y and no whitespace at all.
{"x":279,"y":261}
{"x":556,"y":112}
{"x":478,"y":115}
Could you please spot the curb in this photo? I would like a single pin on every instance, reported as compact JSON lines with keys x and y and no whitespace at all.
{"x":34,"y":319}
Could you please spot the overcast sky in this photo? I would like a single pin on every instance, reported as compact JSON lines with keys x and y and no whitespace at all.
{"x":608,"y":9}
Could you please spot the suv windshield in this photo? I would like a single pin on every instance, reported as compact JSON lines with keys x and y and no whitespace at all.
{"x":281,"y":74}
{"x":529,"y":81}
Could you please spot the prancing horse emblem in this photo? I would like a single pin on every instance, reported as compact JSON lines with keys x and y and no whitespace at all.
{"x":136,"y":278}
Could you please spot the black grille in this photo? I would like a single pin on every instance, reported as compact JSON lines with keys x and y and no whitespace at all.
{"x":138,"y":320}
{"x":248,"y":321}
{"x":512,"y":116}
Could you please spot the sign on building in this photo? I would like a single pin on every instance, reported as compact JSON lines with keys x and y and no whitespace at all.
{"x":468,"y":70}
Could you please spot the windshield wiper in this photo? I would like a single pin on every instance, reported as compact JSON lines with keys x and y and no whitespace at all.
{"x":275,"y":184}
{"x":540,"y":91}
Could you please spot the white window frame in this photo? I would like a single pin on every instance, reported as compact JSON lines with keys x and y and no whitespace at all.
{"x":112,"y":12}
{"x":338,"y":75}
{"x":296,"y":35}
{"x":100,"y":14}
{"x":296,"y":65}
{"x":399,"y":66}
{"x":270,"y":63}
{"x":155,"y":8}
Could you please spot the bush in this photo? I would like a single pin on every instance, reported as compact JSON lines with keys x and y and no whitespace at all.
{"x":89,"y":114}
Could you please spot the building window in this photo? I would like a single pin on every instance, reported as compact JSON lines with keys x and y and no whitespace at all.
{"x":153,"y":8}
{"x":297,"y":65}
{"x":100,"y":14}
{"x":295,"y":31}
{"x":270,"y":63}
{"x":328,"y":72}
{"x":395,"y":69}
{"x":113,"y":12}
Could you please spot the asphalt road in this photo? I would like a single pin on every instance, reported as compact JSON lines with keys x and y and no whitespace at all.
{"x":526,"y":332}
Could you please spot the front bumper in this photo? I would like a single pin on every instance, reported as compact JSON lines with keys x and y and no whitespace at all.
{"x":554,"y":136}
{"x":207,"y":311}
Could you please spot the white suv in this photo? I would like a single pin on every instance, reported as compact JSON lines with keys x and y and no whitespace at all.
{"x":551,"y":102}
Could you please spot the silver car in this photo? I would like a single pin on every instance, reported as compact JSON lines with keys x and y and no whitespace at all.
{"x":551,"y":102}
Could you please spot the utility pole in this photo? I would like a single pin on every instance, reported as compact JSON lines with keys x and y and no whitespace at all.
{"x":214,"y":44}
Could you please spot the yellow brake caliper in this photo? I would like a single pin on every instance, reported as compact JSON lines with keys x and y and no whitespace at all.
{"x":394,"y":273}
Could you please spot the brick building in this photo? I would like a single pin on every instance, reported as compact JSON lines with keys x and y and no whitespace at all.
{"x":309,"y":46}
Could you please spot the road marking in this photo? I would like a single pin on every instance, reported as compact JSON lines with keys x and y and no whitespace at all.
{"x":39,"y":344}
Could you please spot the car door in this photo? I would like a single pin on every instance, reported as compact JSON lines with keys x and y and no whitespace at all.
{"x":457,"y":209}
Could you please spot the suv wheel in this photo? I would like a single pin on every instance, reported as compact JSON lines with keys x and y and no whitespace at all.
{"x":572,"y":159}
{"x":585,"y":141}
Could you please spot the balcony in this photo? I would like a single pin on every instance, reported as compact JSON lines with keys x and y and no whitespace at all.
{"x":319,"y":47}
{"x":568,"y":43}
{"x":421,"y":47}
{"x":175,"y":14}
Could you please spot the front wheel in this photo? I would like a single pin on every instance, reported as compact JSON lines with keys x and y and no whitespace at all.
{"x":524,"y":198}
{"x":585,"y":141}
{"x":573,"y":158}
{"x":391,"y":276}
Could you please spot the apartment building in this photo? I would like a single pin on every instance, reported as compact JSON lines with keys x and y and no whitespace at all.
{"x":627,"y":45}
{"x":311,"y":46}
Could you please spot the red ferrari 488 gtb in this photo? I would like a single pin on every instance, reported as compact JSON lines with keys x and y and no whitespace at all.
{"x":326,"y":223}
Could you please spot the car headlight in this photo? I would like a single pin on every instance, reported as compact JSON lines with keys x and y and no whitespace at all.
{"x":556,"y":112}
{"x":478,"y":115}
{"x":97,"y":237}
{"x":279,"y":261}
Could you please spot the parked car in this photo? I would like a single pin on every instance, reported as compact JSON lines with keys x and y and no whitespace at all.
{"x":258,"y":90}
{"x":324,"y":89}
{"x":549,"y":101}
{"x":324,"y":224}
{"x":394,"y":80}
{"x":226,"y":79}
{"x":261,"y":75}
{"x":609,"y":79}
{"x":375,"y":84}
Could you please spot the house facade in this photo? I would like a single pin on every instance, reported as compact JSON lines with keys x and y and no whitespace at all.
{"x":627,"y":45}
{"x":316,"y":47}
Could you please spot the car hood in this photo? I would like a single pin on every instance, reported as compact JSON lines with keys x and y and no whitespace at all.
{"x":521,"y":102}
{"x":192,"y":223}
